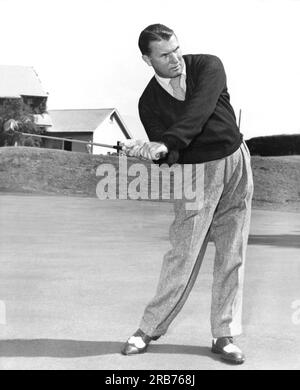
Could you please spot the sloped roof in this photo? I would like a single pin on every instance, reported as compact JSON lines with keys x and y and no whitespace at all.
{"x":83,"y":120}
{"x":18,"y":80}
{"x":78,"y":120}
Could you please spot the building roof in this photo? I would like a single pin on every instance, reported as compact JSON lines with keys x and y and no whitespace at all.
{"x":82,"y":120}
{"x":16,"y":81}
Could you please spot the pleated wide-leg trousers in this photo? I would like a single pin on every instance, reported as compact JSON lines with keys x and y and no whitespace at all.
{"x":220,"y":212}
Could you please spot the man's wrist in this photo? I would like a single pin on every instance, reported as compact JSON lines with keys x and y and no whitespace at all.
{"x":171,"y":142}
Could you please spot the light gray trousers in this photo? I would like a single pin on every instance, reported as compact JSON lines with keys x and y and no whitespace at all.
{"x":221,"y":213}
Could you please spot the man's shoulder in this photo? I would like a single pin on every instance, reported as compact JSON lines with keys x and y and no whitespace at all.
{"x":148,"y":91}
{"x":201,"y":59}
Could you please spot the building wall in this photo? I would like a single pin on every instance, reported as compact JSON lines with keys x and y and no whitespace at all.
{"x":76,"y":147}
{"x":52,"y":144}
{"x":108,"y":132}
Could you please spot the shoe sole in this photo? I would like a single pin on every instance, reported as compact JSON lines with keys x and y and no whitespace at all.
{"x":138,"y":351}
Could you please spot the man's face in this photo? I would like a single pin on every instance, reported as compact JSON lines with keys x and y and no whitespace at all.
{"x":165,"y":57}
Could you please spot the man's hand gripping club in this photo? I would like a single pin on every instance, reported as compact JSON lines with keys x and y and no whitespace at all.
{"x":144,"y":149}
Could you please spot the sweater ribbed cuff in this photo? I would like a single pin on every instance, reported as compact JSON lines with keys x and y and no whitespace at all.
{"x":172,"y":143}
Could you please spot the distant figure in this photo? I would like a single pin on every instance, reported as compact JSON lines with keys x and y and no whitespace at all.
{"x":187,"y":115}
{"x":12,"y":137}
{"x":89,"y":147}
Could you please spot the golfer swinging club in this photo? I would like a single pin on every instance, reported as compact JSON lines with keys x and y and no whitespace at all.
{"x":188,"y":118}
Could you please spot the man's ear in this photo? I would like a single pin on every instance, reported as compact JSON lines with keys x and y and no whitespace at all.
{"x":146,"y":59}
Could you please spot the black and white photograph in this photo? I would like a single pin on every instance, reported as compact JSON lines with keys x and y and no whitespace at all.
{"x":149,"y":187}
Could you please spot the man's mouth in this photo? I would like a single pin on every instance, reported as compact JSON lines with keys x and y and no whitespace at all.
{"x":177,"y":67}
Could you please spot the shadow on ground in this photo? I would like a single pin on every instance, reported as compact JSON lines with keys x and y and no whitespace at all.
{"x":76,"y":348}
{"x":280,"y":240}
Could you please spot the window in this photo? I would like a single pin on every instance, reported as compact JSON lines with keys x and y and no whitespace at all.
{"x":68,"y":145}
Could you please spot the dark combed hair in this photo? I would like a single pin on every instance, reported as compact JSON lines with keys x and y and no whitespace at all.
{"x":154,"y":32}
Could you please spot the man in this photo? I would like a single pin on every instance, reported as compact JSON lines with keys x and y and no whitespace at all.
{"x":187,"y":115}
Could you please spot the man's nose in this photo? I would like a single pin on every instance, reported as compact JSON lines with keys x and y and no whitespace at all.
{"x":173,"y":58}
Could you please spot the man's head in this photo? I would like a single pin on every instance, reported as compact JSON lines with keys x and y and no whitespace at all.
{"x":160,"y":49}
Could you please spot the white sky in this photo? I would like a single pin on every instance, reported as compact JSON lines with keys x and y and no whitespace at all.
{"x":86,"y":55}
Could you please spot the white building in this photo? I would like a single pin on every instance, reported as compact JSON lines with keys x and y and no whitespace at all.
{"x":22,"y":83}
{"x":90,"y":125}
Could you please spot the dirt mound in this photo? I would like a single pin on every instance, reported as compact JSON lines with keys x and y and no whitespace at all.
{"x":277,"y":182}
{"x":50,"y":171}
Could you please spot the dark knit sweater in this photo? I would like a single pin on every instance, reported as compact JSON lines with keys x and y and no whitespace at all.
{"x":201,"y":128}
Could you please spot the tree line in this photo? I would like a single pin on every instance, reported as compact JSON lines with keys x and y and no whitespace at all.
{"x":275,"y":145}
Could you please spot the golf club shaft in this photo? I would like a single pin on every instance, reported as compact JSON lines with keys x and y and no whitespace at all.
{"x":118,"y":146}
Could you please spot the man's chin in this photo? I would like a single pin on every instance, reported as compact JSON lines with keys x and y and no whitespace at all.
{"x":176,"y":73}
{"x":172,"y":73}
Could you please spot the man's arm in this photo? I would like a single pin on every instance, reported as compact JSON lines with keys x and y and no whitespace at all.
{"x":155,"y":129}
{"x":151,"y":122}
{"x":199,"y":107}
